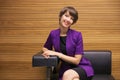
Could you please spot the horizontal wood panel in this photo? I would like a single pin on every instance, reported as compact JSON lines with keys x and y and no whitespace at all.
{"x":22,"y":25}
{"x":35,"y":22}
{"x":55,"y":10}
{"x":38,"y":33}
{"x":42,"y":39}
{"x":29,"y":48}
{"x":42,"y":25}
{"x":54,"y":2}
{"x":19,"y":48}
{"x":20,"y":70}
{"x":24,"y":52}
{"x":54,"y":17}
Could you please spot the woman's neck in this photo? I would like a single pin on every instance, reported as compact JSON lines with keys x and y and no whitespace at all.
{"x":63,"y":31}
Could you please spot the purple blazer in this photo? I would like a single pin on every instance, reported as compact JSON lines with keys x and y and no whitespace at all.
{"x":74,"y":45}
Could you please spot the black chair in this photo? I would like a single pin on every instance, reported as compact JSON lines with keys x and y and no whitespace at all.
{"x":102,"y":63}
{"x":100,"y":59}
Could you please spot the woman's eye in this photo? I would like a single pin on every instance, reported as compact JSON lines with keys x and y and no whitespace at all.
{"x":72,"y":18}
{"x":66,"y":15}
{"x":69,"y":16}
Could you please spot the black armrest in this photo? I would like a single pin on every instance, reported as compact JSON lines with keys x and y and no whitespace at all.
{"x":40,"y":60}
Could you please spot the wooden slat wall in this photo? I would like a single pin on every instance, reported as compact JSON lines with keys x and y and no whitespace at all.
{"x":25,"y":25}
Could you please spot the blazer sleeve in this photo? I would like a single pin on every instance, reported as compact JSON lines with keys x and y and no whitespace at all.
{"x":79,"y":45}
{"x":48,"y":43}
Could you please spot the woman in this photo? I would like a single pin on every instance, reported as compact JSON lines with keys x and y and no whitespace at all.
{"x":67,"y":44}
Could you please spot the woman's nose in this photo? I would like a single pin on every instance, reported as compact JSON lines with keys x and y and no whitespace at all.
{"x":68,"y":18}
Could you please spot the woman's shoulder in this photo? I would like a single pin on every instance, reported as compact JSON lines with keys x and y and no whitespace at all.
{"x":54,"y":32}
{"x":75,"y":32}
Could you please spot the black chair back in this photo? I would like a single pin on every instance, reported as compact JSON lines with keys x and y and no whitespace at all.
{"x":100,"y":59}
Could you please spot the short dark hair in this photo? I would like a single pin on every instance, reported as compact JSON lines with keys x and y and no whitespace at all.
{"x":73,"y":12}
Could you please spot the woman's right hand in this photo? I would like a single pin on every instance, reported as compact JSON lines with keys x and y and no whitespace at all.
{"x":47,"y":53}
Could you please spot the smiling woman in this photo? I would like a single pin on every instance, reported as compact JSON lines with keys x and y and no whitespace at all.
{"x":66,"y":20}
{"x":68,"y":46}
{"x":67,"y":17}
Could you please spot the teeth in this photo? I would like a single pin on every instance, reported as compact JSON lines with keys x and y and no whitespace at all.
{"x":66,"y":22}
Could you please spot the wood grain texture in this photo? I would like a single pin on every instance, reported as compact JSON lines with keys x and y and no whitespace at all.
{"x":25,"y":25}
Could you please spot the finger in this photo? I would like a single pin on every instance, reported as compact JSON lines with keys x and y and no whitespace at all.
{"x":46,"y":56}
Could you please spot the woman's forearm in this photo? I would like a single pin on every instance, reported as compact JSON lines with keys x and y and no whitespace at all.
{"x":74,"y":60}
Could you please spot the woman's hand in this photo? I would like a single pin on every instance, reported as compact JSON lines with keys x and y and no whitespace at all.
{"x":47,"y":53}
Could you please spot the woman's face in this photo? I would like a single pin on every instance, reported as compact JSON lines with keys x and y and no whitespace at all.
{"x":66,"y":20}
